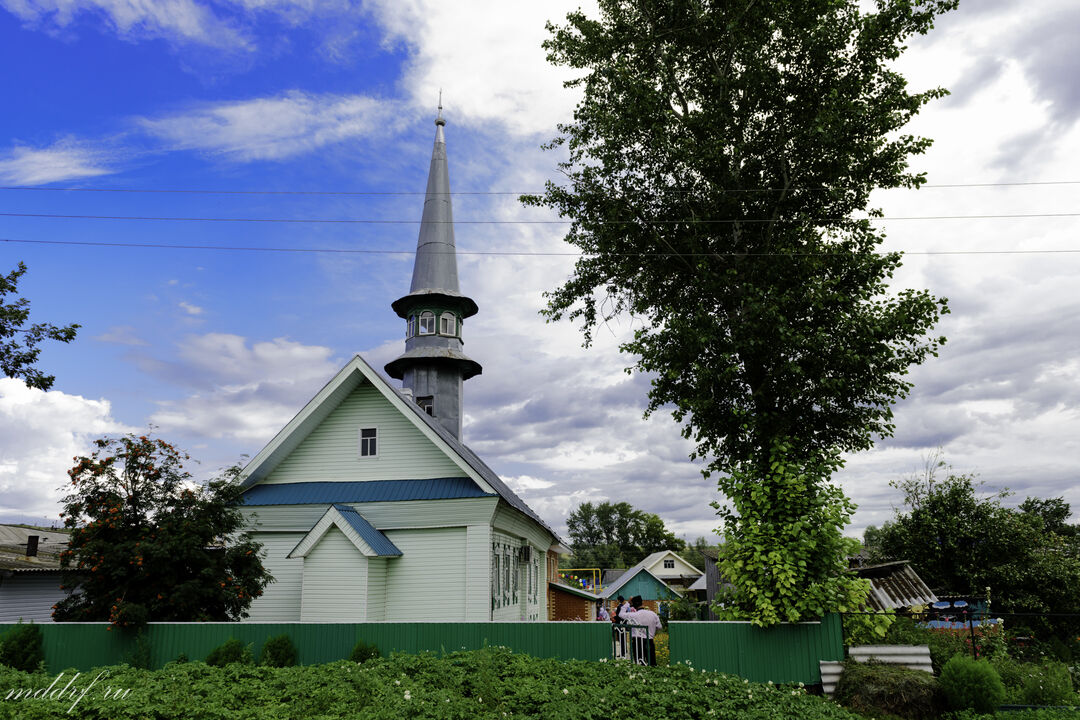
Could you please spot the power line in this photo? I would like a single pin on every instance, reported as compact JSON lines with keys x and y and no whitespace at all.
{"x":186,"y":191}
{"x":388,"y":251}
{"x":368,"y":221}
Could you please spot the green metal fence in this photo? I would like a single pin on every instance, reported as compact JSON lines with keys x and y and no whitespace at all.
{"x":87,"y":645}
{"x":784,"y":653}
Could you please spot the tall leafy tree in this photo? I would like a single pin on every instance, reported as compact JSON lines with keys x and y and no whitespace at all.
{"x":719,"y":171}
{"x":18,"y":341}
{"x":149,"y":544}
{"x":612,"y":535}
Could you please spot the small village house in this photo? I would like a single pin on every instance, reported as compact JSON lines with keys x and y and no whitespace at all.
{"x":30,"y":574}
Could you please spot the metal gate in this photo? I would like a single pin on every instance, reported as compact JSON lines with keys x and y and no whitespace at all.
{"x":631,"y":643}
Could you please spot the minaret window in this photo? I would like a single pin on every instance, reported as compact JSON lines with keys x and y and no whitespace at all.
{"x":427,"y":404}
{"x":427,"y":323}
{"x":448,"y":324}
{"x":411,"y":330}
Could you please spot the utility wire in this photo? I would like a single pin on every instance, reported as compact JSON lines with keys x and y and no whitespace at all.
{"x":693,"y":221}
{"x":387,"y":251}
{"x":181,"y":191}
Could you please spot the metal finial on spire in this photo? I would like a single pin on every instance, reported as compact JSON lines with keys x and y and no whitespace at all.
{"x":439,"y":120}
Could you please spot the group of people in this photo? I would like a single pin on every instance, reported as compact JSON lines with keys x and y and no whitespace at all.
{"x":642,"y":623}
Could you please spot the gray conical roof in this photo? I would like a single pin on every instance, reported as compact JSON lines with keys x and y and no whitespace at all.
{"x":435,"y":270}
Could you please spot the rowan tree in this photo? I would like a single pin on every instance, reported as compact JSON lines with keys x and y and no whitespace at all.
{"x":18,"y":342}
{"x":149,"y":544}
{"x":719,"y":170}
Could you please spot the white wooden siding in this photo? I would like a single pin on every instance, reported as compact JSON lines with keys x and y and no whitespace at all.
{"x":428,"y":581}
{"x":280,"y":601}
{"x":376,"y":588}
{"x":383,"y":515}
{"x":331,"y":451}
{"x":29,"y":596}
{"x":516,"y":524}
{"x":478,"y":573}
{"x":335,"y":581}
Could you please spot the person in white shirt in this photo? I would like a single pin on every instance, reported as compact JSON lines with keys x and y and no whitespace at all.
{"x":647,"y":624}
{"x":601,"y":612}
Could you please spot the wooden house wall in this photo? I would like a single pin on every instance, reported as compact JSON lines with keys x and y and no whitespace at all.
{"x":335,"y":581}
{"x":29,"y":596}
{"x":428,"y":581}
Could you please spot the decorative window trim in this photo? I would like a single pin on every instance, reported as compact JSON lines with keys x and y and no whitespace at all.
{"x":448,"y":324}
{"x":424,"y":328}
{"x":669,"y":564}
{"x":367,"y":443}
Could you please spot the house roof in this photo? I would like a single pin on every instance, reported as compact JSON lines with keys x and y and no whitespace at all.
{"x":656,"y":557}
{"x":362,"y":534}
{"x":698,"y":584}
{"x":334,"y":392}
{"x":321,"y":493}
{"x":612,"y":590}
{"x":894,"y":585}
{"x":574,"y":591}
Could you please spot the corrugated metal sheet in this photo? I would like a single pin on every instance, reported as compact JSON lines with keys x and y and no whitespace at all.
{"x":87,"y":645}
{"x":378,"y":542}
{"x":319,"y":493}
{"x":783,"y":653}
{"x":895,"y":585}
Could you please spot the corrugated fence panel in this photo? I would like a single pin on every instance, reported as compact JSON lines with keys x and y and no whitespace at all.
{"x":784,"y":653}
{"x":87,"y":645}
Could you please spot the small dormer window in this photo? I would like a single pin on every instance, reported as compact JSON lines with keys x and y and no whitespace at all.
{"x":427,"y":323}
{"x":368,"y":442}
{"x":447,"y":324}
{"x":669,"y":564}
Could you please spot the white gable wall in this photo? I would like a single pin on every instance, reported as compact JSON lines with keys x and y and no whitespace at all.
{"x":332,"y":451}
{"x":335,"y":581}
{"x":427,"y":583}
{"x":681,"y":569}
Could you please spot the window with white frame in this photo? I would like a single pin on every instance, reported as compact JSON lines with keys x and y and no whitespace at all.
{"x":369,"y":442}
{"x":427,"y":404}
{"x":427,"y":323}
{"x":410,"y":329}
{"x":669,"y":564}
{"x":447,"y":324}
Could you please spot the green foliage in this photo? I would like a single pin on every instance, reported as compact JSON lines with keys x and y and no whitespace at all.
{"x":147,"y":544}
{"x":867,"y":628}
{"x":962,"y":542}
{"x":783,"y":550}
{"x":140,"y":656}
{"x":874,"y":688}
{"x":682,"y":608}
{"x":482,"y":684}
{"x":943,"y":644}
{"x":715,"y":166}
{"x":18,"y":343}
{"x":612,"y":535}
{"x":362,"y":652}
{"x":1048,"y":683}
{"x":22,"y":647}
{"x":278,"y":651}
{"x":971,"y":684}
{"x":229,"y":652}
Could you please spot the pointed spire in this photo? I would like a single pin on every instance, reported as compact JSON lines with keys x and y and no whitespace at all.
{"x":436,"y":259}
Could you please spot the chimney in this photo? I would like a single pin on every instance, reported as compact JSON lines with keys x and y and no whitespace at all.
{"x":31,"y":546}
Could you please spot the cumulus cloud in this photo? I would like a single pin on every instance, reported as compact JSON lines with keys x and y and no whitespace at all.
{"x":242,"y":391}
{"x":191,"y":309}
{"x":121,"y":335}
{"x":40,"y":432}
{"x":66,"y":159}
{"x":273,"y":128}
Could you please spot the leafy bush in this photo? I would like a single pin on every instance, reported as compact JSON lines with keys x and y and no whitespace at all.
{"x":362,"y":652}
{"x":1048,"y":684}
{"x":971,"y":684}
{"x":22,"y":647}
{"x":278,"y":651}
{"x":139,"y":657}
{"x":229,"y":652}
{"x":874,"y":689}
{"x":943,"y":643}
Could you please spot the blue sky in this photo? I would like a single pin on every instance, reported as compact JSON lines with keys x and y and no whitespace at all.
{"x":220,"y":348}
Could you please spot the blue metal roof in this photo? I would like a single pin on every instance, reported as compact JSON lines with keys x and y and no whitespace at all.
{"x":328,"y":493}
{"x":378,"y":542}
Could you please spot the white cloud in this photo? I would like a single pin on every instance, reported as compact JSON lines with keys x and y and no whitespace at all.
{"x":246,"y":392}
{"x":487,"y":57}
{"x":67,"y":159}
{"x":121,"y":335}
{"x":182,"y":21}
{"x":273,"y":128}
{"x":40,"y":432}
{"x":191,"y":309}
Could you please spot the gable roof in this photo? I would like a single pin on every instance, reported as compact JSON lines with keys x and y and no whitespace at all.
{"x":612,"y":590}
{"x":355,"y":372}
{"x":320,"y":493}
{"x":655,"y":557}
{"x":362,"y":534}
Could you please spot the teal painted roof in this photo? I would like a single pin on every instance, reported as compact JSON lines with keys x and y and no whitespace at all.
{"x":328,"y":493}
{"x":639,"y":581}
{"x":378,"y":542}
